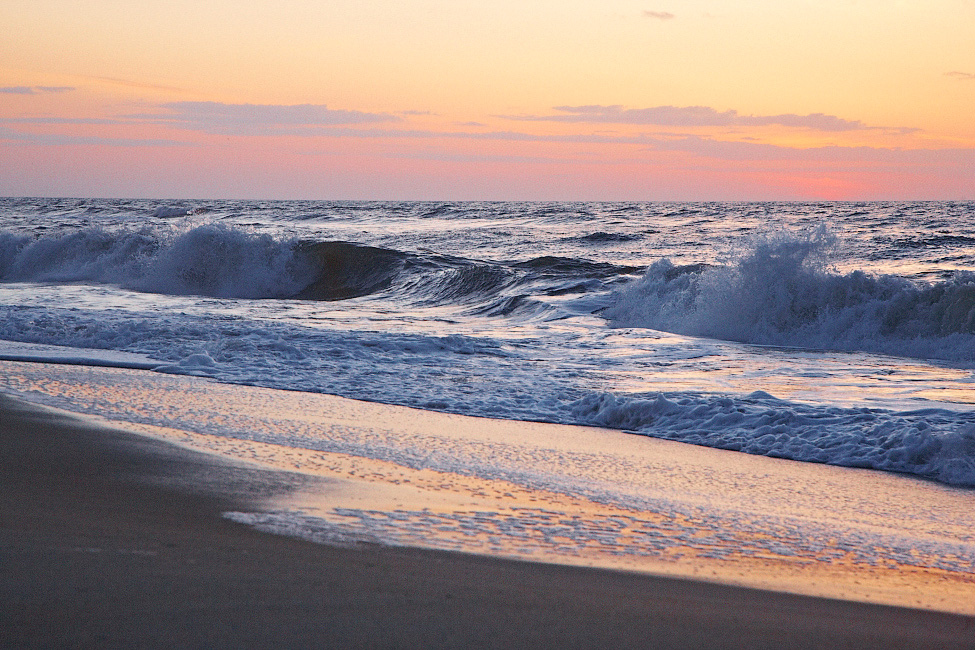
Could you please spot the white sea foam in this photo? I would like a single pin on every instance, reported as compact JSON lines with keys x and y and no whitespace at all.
{"x":209,"y":260}
{"x":215,"y":260}
{"x":783,"y":292}
{"x":501,"y":310}
{"x":34,"y":352}
{"x":436,"y":373}
{"x":933,"y":443}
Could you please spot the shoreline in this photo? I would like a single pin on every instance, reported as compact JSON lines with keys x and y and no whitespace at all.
{"x":548,"y":493}
{"x":114,"y":539}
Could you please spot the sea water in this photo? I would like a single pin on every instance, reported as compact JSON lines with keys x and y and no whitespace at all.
{"x":839,"y":333}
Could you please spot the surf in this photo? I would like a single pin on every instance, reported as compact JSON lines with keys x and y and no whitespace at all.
{"x":782,"y":291}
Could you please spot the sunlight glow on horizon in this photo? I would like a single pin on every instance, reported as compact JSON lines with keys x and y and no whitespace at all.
{"x":507,"y":100}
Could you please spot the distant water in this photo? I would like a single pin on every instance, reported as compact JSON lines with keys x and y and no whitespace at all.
{"x":839,"y":333}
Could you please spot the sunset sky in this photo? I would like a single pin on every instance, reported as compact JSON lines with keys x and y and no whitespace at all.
{"x":469,"y":99}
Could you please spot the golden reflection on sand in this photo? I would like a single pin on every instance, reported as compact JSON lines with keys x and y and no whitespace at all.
{"x":397,"y":476}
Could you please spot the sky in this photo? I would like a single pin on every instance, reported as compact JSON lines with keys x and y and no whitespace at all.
{"x":477,"y":100}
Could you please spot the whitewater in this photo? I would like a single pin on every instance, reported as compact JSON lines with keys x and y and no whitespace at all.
{"x":838,"y":333}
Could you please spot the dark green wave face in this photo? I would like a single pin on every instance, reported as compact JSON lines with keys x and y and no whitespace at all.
{"x":343,"y":270}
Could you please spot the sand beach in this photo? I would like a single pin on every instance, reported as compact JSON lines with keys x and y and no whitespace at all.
{"x":115,"y":539}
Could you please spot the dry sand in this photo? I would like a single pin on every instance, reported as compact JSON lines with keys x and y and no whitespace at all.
{"x":108,"y":539}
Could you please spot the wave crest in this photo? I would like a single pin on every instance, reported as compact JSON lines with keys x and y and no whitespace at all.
{"x":209,"y":260}
{"x":784,"y":292}
{"x":222,"y":261}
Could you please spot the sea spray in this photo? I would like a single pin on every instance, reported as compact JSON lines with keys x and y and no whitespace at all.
{"x":784,"y":292}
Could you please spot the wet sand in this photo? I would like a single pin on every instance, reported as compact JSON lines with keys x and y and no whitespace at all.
{"x":109,"y":539}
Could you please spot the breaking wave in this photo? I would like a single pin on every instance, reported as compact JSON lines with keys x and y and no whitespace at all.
{"x":211,"y":260}
{"x":221,"y":261}
{"x":931,"y":443}
{"x":343,"y":270}
{"x":783,"y":292}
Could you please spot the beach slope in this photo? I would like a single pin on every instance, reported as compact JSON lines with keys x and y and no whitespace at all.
{"x":110,"y":539}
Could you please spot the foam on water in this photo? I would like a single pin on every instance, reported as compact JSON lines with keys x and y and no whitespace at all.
{"x":934,"y":443}
{"x":224,"y":261}
{"x":208,"y":260}
{"x":631,"y":316}
{"x":782,"y":292}
{"x":542,"y":492}
{"x":440,"y":373}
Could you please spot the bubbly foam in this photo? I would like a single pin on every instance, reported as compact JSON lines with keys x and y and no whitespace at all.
{"x":933,"y":443}
{"x":209,"y":260}
{"x":782,"y":292}
{"x":501,"y":311}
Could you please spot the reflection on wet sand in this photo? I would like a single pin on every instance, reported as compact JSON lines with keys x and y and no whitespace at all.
{"x":395,"y":476}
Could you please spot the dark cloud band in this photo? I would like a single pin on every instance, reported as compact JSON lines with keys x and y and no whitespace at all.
{"x":689,"y":116}
{"x":252,"y":119}
{"x":34,"y":90}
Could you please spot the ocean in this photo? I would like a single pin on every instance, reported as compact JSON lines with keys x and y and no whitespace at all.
{"x":836,"y":333}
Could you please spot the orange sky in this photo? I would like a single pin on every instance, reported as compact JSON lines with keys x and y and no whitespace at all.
{"x":464,"y":99}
